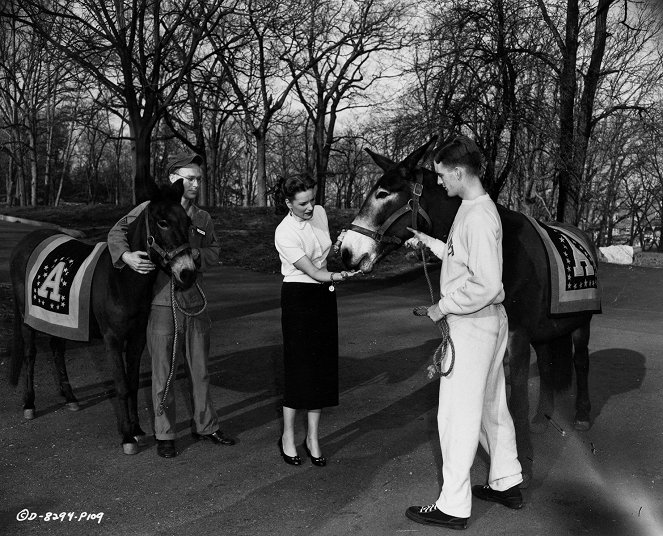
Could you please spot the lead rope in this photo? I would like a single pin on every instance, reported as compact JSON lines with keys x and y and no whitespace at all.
{"x":446,"y":342}
{"x":177,"y":307}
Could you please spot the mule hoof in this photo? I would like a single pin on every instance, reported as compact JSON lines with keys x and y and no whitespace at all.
{"x":130,"y":448}
{"x":581,"y":426}
{"x":29,"y":414}
{"x":73,"y":406}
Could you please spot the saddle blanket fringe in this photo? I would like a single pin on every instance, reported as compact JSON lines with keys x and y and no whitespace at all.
{"x":58,"y":285}
{"x":572,"y":268}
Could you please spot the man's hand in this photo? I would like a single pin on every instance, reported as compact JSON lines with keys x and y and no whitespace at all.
{"x":434,"y":313}
{"x":418,"y":239}
{"x":138,"y":261}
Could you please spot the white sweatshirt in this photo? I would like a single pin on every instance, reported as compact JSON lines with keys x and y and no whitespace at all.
{"x":471,"y":274}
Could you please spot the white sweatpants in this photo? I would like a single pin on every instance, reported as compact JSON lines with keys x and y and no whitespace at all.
{"x":473,"y":409}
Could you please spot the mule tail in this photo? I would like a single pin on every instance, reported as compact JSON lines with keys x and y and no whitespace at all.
{"x":556,"y":363}
{"x":18,"y":347}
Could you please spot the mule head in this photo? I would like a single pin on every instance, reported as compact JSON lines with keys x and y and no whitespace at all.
{"x":168,"y":234}
{"x":381,"y":224}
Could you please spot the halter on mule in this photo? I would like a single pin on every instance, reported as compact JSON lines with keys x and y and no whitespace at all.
{"x":166,"y":256}
{"x":412,"y":205}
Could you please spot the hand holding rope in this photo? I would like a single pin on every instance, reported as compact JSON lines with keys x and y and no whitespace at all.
{"x":446,"y":343}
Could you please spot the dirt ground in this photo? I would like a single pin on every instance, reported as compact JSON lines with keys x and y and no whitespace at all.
{"x":381,"y":441}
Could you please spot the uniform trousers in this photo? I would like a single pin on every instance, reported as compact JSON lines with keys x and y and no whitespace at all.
{"x":473,"y":409}
{"x":193,"y":343}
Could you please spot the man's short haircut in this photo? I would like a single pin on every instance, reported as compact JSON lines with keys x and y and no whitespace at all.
{"x":461,"y":151}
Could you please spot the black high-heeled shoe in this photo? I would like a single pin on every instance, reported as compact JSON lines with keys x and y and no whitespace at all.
{"x":320,"y":462}
{"x":290,"y":460}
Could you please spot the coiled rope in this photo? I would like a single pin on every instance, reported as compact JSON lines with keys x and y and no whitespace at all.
{"x":446,"y":343}
{"x":177,"y":307}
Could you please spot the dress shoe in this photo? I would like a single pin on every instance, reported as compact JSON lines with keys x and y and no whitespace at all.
{"x":432,"y":515}
{"x":511,"y":498}
{"x":290,"y":460}
{"x":166,"y":448}
{"x":320,"y":462}
{"x":216,"y":437}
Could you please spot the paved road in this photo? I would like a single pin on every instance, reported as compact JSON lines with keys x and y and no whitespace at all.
{"x":381,"y":441}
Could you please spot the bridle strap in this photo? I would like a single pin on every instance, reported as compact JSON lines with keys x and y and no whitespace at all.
{"x":166,"y":256}
{"x":412,"y":205}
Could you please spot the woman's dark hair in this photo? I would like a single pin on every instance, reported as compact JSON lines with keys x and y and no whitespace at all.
{"x":293,"y":184}
{"x":461,"y":151}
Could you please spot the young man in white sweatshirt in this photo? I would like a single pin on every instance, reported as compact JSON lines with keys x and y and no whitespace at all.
{"x":472,"y":401}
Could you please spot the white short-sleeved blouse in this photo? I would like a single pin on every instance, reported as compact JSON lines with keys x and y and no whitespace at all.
{"x":294,"y":239}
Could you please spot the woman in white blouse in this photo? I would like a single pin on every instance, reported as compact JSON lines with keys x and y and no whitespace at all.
{"x":308,"y":317}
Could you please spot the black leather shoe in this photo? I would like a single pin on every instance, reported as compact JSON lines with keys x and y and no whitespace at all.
{"x":290,"y":460}
{"x":320,"y":462}
{"x":432,"y":515}
{"x":511,"y":498}
{"x":166,"y":448}
{"x":217,"y":437}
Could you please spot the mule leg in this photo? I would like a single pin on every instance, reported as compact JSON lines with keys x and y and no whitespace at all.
{"x":30,"y":356}
{"x":114,"y":352}
{"x":546,"y":404}
{"x":61,"y":377}
{"x":581,"y":362}
{"x":135,"y":347}
{"x":518,"y":349}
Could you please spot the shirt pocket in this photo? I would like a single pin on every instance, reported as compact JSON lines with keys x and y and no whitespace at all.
{"x":196,"y":236}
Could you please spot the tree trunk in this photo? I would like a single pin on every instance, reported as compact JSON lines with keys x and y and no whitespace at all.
{"x":32,"y":155}
{"x":586,"y":110}
{"x":143,"y":182}
{"x":261,"y":169}
{"x":10,"y":181}
{"x":320,"y":163}
{"x":567,"y":178}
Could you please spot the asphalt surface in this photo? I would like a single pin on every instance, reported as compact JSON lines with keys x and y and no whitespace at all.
{"x":381,"y":441}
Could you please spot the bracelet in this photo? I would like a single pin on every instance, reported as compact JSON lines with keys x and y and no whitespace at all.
{"x":331,"y":277}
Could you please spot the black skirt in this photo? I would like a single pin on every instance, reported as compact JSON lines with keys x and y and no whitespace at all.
{"x":310,"y":345}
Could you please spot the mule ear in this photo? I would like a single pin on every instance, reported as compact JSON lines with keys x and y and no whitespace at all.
{"x":413,"y":158}
{"x":151,"y":191}
{"x":382,"y":161}
{"x":174,"y":191}
{"x":177,"y":190}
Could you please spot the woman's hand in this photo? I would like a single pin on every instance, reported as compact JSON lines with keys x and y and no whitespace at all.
{"x":349,"y":274}
{"x":418,"y":239}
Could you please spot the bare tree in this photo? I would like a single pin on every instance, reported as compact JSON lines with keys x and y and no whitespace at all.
{"x":132,"y":50}
{"x":338,"y":77}
{"x":31,"y":83}
{"x":264,"y":57}
{"x":577,"y":101}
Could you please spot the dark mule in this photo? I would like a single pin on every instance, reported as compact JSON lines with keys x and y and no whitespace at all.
{"x":380,"y":227}
{"x":120,"y":305}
